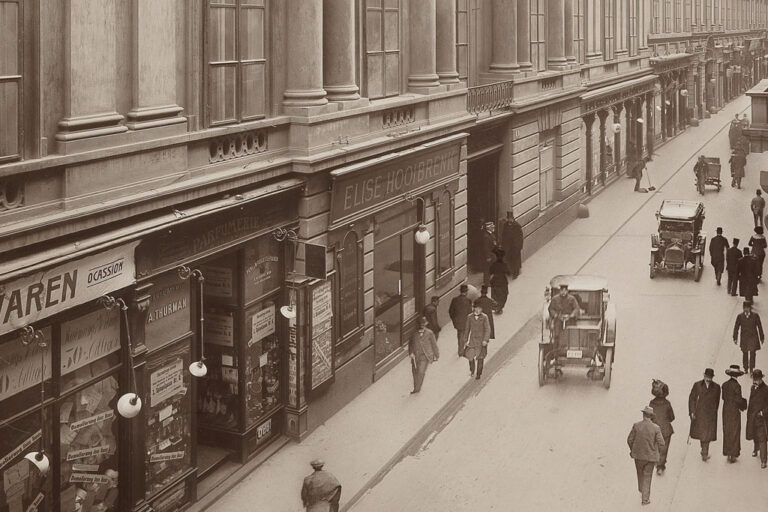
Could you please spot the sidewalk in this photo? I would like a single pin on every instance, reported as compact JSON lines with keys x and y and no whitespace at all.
{"x":370,"y":434}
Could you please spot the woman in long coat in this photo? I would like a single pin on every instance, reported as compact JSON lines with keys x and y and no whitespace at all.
{"x":748,"y":275}
{"x":758,"y":245}
{"x":476,"y":336}
{"x":733,"y":405}
{"x":663,"y":417}
{"x":738,"y":162}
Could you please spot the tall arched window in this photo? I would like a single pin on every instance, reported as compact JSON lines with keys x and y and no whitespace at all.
{"x":350,"y":300}
{"x":444,"y":234}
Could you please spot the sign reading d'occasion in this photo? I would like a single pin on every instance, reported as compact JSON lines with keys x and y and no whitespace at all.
{"x":42,"y":294}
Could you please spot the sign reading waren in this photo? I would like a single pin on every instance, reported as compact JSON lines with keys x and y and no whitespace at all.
{"x":356,"y":191}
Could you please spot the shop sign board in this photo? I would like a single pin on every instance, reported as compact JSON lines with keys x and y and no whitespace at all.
{"x":20,"y":365}
{"x":356,"y":191}
{"x":89,"y":338}
{"x":262,"y":324}
{"x":166,"y":382}
{"x":42,"y":294}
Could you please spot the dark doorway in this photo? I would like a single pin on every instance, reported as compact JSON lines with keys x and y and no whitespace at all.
{"x":481,"y":206}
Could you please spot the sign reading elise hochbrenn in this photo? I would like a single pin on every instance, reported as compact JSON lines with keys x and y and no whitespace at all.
{"x":42,"y":294}
{"x":358,"y":191}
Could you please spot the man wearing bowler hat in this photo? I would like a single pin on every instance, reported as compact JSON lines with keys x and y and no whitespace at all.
{"x":459,"y":310}
{"x":703,"y":403}
{"x":423,"y":351}
{"x":321,"y":491}
{"x":645,"y":441}
{"x":757,"y":417}
{"x":752,"y":337}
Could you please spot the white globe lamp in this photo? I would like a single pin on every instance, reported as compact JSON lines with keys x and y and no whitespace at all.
{"x":198,"y":369}
{"x":129,"y":405}
{"x":421,"y":235}
{"x":40,"y":461}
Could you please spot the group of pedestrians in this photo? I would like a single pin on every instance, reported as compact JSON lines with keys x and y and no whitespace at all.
{"x":650,"y":438}
{"x":739,"y":145}
{"x":744,"y":266}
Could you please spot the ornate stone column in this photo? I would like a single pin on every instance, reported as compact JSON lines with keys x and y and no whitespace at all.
{"x":617,"y":138}
{"x":568,"y":32}
{"x":422,"y":23}
{"x":629,"y":136}
{"x":589,"y":121}
{"x":504,"y":58}
{"x":339,"y":59}
{"x":304,"y":54}
{"x":524,"y":36}
{"x":446,"y":42}
{"x":556,"y":35}
{"x":649,"y":124}
{"x":154,"y":72}
{"x":603,"y":116}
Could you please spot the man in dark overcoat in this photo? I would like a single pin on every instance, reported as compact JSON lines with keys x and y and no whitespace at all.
{"x":489,"y":249}
{"x":321,"y":491}
{"x":460,"y":307}
{"x":512,"y":240}
{"x":488,"y":306}
{"x":750,"y":327}
{"x":748,"y":275}
{"x":430,"y":313}
{"x":732,"y":258}
{"x":499,"y":283}
{"x":738,"y":162}
{"x":703,"y":403}
{"x":423,"y":351}
{"x":733,"y":405}
{"x":717,"y":248}
{"x":645,"y":441}
{"x":757,"y":417}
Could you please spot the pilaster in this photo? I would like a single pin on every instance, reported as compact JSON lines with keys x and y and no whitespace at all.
{"x":422,"y":22}
{"x":446,"y":42}
{"x":304,"y":56}
{"x":339,"y":58}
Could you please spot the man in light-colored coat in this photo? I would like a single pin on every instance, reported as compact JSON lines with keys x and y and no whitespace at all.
{"x":645,"y":441}
{"x":476,"y":337}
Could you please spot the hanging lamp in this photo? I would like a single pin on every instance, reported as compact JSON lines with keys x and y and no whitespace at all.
{"x":39,"y":459}
{"x":197,"y":368}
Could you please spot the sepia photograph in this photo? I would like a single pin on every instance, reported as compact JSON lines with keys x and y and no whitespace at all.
{"x":383,"y":255}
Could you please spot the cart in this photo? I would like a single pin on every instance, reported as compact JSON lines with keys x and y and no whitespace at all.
{"x":711,"y":174}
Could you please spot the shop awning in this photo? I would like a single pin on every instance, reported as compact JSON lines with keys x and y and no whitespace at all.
{"x":647,"y":81}
{"x":670,"y":57}
{"x":80,"y":248}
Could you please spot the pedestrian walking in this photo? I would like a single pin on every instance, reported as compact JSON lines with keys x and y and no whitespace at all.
{"x":717,"y":248}
{"x":499,"y":282}
{"x":476,"y":338}
{"x":734,"y":404}
{"x":748,"y":275}
{"x":700,"y":171}
{"x":757,"y":417}
{"x":703,"y":403}
{"x":738,"y":162}
{"x":752,"y":336}
{"x":488,"y":306}
{"x":663,"y":416}
{"x":758,"y":244}
{"x":423,"y":351}
{"x":430,"y":313}
{"x":645,"y":441}
{"x":732,"y":258}
{"x":458,"y":310}
{"x":757,"y":206}
{"x":489,"y":248}
{"x":321,"y":490}
{"x":512,"y":240}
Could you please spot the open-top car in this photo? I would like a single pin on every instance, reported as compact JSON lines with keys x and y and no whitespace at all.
{"x":679,"y":245}
{"x":586,"y":336}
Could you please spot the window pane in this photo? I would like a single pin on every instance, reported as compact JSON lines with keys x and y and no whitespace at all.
{"x":260,"y":3}
{"x":463,"y":61}
{"x":20,"y":370}
{"x":349,"y":285}
{"x":262,"y":267}
{"x":373,"y":40}
{"x":373,"y":3}
{"x":221,"y":93}
{"x":88,"y":442}
{"x":170,"y":311}
{"x":9,"y":38}
{"x":9,"y":113}
{"x":391,"y":4}
{"x":29,"y":482}
{"x":461,"y":27}
{"x":263,"y":361}
{"x":375,"y":70}
{"x":251,"y":34}
{"x":393,"y":74}
{"x":391,"y":31}
{"x":221,"y":31}
{"x":90,"y":345}
{"x":253,"y":90}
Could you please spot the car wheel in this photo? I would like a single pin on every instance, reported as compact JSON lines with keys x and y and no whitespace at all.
{"x":653,"y":265}
{"x":542,"y":368}
{"x":608,"y":368}
{"x":697,"y":268}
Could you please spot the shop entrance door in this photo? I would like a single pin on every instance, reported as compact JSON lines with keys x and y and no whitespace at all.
{"x":395,"y":286}
{"x":481,"y":206}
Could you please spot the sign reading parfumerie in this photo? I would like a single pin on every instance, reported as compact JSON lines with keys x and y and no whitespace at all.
{"x":42,"y":294}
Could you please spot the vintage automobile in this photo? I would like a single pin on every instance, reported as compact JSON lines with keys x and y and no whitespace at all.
{"x":679,"y":245}
{"x":588,"y":340}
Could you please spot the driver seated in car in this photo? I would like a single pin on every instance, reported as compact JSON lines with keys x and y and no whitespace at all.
{"x":563,"y":308}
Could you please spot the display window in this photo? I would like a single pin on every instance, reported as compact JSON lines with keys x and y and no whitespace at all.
{"x":168,"y":430}
{"x":217,"y":395}
{"x":90,"y":346}
{"x":169,"y":316}
{"x":220,"y":283}
{"x":262,"y":274}
{"x":23,"y":488}
{"x":20,"y":370}
{"x":262,"y":361}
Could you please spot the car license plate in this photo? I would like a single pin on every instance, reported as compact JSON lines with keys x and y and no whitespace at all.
{"x":576,"y":354}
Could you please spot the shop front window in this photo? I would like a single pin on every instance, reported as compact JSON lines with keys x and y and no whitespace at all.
{"x":349,"y":277}
{"x":217,"y":399}
{"x":23,"y":488}
{"x":169,"y":412}
{"x":444,"y":210}
{"x":262,"y":364}
{"x":90,"y":346}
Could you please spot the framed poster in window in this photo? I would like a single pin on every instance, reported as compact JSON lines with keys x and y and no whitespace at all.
{"x":262,"y":274}
{"x":321,"y":339}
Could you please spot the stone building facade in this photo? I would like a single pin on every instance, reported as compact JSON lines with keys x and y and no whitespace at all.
{"x":235,"y":210}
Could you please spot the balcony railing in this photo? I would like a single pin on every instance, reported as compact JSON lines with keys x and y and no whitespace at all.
{"x":490,"y":98}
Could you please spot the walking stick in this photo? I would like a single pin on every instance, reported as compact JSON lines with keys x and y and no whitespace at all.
{"x":651,"y":188}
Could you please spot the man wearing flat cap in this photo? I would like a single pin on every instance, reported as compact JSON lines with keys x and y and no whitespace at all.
{"x":645,"y":441}
{"x":757,"y":417}
{"x":321,"y":491}
{"x":703,"y":403}
{"x":752,"y":337}
{"x":562,"y":308}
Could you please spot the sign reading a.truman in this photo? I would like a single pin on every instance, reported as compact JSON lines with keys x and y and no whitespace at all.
{"x":40,"y":295}
{"x":355,"y":191}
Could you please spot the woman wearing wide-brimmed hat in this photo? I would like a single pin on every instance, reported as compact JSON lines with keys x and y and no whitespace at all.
{"x":759,"y":244}
{"x":734,"y":404}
